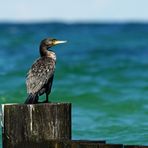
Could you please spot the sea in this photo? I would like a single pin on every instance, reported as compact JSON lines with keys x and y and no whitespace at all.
{"x":102,"y":70}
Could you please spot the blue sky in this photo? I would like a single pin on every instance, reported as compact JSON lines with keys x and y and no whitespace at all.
{"x":73,"y":10}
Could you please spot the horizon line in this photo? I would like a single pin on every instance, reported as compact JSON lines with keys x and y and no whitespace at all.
{"x":74,"y":22}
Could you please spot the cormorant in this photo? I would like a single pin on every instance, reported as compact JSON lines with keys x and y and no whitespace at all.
{"x":40,"y":76}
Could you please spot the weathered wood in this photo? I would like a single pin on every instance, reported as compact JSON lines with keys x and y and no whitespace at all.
{"x":44,"y":126}
{"x":61,"y":144}
{"x":84,"y":143}
{"x":35,"y":123}
{"x":111,"y":146}
{"x":89,"y":141}
{"x":134,"y":146}
{"x":74,"y":144}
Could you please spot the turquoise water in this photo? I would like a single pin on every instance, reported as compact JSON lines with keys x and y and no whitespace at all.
{"x":102,"y":71}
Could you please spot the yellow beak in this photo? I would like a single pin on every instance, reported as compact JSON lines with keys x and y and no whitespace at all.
{"x":59,"y":42}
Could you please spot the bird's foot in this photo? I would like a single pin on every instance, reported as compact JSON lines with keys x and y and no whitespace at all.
{"x":46,"y":101}
{"x":31,"y":101}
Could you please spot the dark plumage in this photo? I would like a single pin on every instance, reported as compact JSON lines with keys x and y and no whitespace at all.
{"x":40,"y":76}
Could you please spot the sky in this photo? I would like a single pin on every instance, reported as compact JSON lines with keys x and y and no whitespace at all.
{"x":74,"y":10}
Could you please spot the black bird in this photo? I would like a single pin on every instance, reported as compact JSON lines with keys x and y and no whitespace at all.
{"x":40,"y":76}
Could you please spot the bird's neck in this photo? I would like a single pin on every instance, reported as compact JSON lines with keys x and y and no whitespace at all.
{"x":44,"y":52}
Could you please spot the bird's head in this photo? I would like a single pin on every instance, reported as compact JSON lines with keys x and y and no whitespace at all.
{"x":49,"y":42}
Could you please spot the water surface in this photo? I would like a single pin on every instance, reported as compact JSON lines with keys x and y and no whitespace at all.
{"x":102,"y":71}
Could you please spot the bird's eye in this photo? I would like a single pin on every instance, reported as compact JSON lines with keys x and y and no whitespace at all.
{"x":49,"y":42}
{"x":53,"y":41}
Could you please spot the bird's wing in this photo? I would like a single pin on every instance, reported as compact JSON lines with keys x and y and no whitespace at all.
{"x":39,"y":74}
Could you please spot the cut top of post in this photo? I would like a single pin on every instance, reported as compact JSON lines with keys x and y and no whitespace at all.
{"x":36,"y":122}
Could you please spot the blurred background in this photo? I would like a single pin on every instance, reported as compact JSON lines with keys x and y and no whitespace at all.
{"x":102,"y":70}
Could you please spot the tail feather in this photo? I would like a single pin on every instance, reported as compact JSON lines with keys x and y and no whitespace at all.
{"x":32,"y":99}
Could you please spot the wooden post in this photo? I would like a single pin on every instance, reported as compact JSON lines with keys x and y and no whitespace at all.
{"x":70,"y":144}
{"x":35,"y":123}
{"x":134,"y":146}
{"x":63,"y":144}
